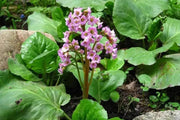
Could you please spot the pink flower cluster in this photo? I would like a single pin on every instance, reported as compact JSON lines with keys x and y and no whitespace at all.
{"x":91,"y":30}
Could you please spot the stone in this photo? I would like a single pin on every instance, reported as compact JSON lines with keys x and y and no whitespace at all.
{"x":161,"y":115}
{"x":10,"y":44}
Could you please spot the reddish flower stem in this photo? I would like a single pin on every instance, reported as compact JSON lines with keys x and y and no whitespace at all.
{"x":86,"y":75}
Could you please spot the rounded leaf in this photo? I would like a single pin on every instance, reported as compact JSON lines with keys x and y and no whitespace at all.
{"x":115,"y":96}
{"x":40,"y":53}
{"x":31,"y":101}
{"x":129,"y":19}
{"x":164,"y":73}
{"x":89,"y":110}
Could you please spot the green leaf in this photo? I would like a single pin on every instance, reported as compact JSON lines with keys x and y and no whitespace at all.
{"x":174,"y":104}
{"x":114,"y":96}
{"x":164,"y":98}
{"x":31,"y":101}
{"x":103,"y":85}
{"x":89,"y":110}
{"x":152,"y":8}
{"x":154,"y":29}
{"x":5,"y":76}
{"x":40,"y":53}
{"x":129,"y":20}
{"x":137,"y":56}
{"x":40,"y":22}
{"x":57,"y":14}
{"x":153,"y":105}
{"x":171,"y":32}
{"x":99,"y":5}
{"x":112,"y":64}
{"x":135,"y":99}
{"x":164,"y":73}
{"x":115,"y":118}
{"x":18,"y":68}
{"x":61,"y":29}
{"x":153,"y":98}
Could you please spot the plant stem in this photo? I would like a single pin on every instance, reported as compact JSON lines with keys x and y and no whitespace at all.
{"x":86,"y":75}
{"x":91,"y":77}
{"x":78,"y":72}
{"x":65,"y":115}
{"x":57,"y":81}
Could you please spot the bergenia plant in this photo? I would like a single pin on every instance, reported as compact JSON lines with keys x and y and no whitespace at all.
{"x":88,"y":47}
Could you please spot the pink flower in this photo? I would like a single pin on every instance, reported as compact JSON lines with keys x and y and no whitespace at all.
{"x":90,"y":39}
{"x":99,"y":25}
{"x":87,"y":12}
{"x":114,"y":53}
{"x":98,"y":37}
{"x":85,"y":43}
{"x":106,"y":31}
{"x":90,"y":54}
{"x":66,"y":34}
{"x":67,"y":62}
{"x":107,"y":44}
{"x":77,"y":22}
{"x":93,"y":65}
{"x":98,"y":47}
{"x":77,"y":12}
{"x":66,"y":40}
{"x":109,"y":50}
{"x":92,"y":20}
{"x":96,"y":58}
{"x":83,"y":20}
{"x":75,"y":44}
{"x":69,"y":19}
{"x":81,"y":51}
{"x":61,"y":68}
{"x":113,"y":33}
{"x":85,"y":34}
{"x":92,"y":31}
{"x":65,"y":48}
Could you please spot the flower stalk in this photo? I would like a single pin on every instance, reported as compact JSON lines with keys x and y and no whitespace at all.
{"x":88,"y":49}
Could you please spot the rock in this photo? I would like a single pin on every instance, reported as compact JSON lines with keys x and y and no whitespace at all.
{"x":10,"y":44}
{"x":162,"y":115}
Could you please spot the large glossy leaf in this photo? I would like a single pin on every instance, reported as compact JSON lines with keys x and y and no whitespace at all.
{"x":18,"y":68}
{"x":40,"y":53}
{"x":112,"y":64}
{"x":99,"y":5}
{"x":154,"y":29}
{"x":171,"y":32}
{"x":129,"y":20}
{"x":163,"y":74}
{"x":152,"y":8}
{"x":103,"y":85}
{"x":5,"y":76}
{"x":31,"y":101}
{"x":39,"y":22}
{"x":138,"y":55}
{"x":89,"y":110}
